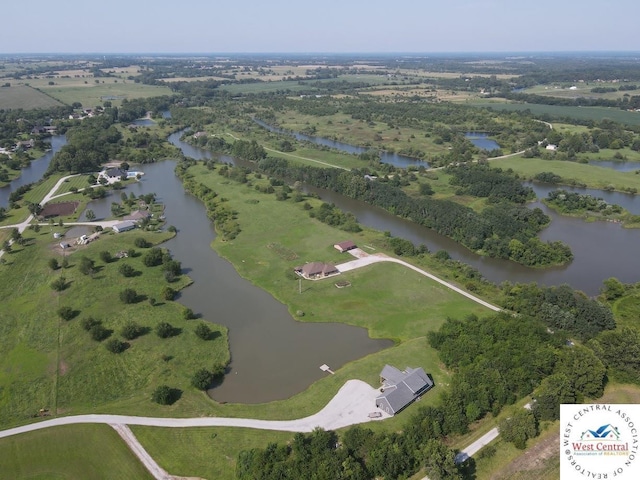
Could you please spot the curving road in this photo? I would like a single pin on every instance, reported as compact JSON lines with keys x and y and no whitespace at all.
{"x":350,"y":406}
{"x":363,"y":259}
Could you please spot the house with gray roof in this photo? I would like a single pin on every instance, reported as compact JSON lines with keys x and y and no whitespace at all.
{"x":124,"y":226}
{"x":401,"y":388}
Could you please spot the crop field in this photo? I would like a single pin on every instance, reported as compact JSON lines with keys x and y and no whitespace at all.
{"x":89,"y":93}
{"x":558,"y":111}
{"x":70,"y":452}
{"x":25,"y":97}
{"x":581,"y":90}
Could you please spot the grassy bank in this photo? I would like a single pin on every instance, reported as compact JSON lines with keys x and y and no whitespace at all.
{"x":590,"y":175}
{"x":54,"y":364}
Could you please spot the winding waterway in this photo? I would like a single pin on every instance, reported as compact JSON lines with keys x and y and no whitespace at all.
{"x":601,"y":249}
{"x":385,"y":157}
{"x":273,"y":356}
{"x":34,"y":171}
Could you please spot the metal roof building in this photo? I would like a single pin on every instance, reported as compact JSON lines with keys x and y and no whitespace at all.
{"x":399,"y":389}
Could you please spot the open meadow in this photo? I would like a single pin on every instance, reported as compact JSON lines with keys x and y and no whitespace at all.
{"x":559,"y":111}
{"x":590,"y":175}
{"x":25,"y":97}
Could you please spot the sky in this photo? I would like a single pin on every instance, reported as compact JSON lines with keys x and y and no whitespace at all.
{"x":327,"y":26}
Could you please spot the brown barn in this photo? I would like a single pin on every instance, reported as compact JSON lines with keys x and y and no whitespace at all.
{"x":61,"y":209}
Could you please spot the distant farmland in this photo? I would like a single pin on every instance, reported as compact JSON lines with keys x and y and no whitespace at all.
{"x":558,"y":111}
{"x":23,"y":96}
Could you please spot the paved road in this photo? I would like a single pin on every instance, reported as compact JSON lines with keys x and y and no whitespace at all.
{"x":364,"y":259}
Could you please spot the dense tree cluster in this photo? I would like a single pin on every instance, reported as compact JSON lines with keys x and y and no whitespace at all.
{"x":332,"y":215}
{"x":559,"y":307}
{"x":484,"y":181}
{"x":571,"y":202}
{"x":501,"y":230}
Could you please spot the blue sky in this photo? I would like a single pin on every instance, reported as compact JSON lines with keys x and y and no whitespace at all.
{"x":201,"y":26}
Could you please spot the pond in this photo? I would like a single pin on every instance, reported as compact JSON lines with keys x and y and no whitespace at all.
{"x":482,"y":141}
{"x":272,"y":355}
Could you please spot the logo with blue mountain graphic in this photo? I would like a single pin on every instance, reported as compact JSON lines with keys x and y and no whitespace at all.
{"x":605,"y":432}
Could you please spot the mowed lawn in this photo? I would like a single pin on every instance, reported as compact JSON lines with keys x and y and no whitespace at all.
{"x":388,"y":299}
{"x":69,"y":452}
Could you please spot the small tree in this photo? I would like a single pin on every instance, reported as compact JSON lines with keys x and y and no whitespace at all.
{"x":116,"y":346}
{"x":202,"y":379}
{"x":153,"y":257}
{"x":126,"y":270}
{"x":99,"y":333}
{"x":203,"y":331}
{"x":168,"y":293}
{"x":53,"y":264}
{"x":90,"y":215}
{"x":164,"y":395}
{"x":141,"y":243}
{"x":105,"y":256}
{"x":188,"y":314}
{"x":86,"y":266}
{"x":128,"y":296}
{"x":164,"y":330}
{"x":66,"y":313}
{"x":89,"y":322}
{"x":131,"y":330}
{"x":65,"y":263}
{"x":59,"y":284}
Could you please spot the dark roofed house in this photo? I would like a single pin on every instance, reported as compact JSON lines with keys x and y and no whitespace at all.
{"x":115,"y":173}
{"x":345,"y":246}
{"x":61,"y":209}
{"x":138,"y":215}
{"x":399,"y":389}
{"x":314,"y":270}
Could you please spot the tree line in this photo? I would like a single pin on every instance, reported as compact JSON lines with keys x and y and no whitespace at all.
{"x":502,"y":230}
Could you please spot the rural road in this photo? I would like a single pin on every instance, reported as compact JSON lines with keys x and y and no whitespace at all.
{"x":350,"y":406}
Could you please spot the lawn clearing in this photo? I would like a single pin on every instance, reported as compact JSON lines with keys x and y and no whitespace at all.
{"x":590,"y":175}
{"x":69,"y":452}
{"x":559,"y":111}
{"x":203,"y":452}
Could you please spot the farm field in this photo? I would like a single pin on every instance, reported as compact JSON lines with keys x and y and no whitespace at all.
{"x":90,"y":94}
{"x":23,"y":96}
{"x":558,"y":111}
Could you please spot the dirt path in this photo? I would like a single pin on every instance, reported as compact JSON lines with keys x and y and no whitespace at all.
{"x":138,"y":450}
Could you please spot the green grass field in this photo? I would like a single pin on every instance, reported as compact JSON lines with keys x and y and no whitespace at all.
{"x":69,"y":452}
{"x":25,"y":97}
{"x":580,"y":113}
{"x":54,"y":364}
{"x":590,"y":175}
{"x":91,"y":94}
